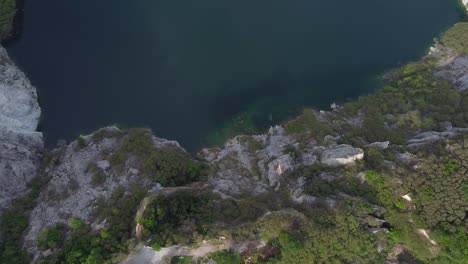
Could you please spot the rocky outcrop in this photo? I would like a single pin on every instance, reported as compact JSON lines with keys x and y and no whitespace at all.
{"x":341,"y":155}
{"x":380,"y":145}
{"x":433,"y":136}
{"x":81,"y":174}
{"x":251,"y":164}
{"x":256,"y":164}
{"x":455,"y":71}
{"x":20,"y":145}
{"x":19,"y":108}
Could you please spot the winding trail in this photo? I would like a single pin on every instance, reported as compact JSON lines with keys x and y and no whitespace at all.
{"x":146,"y":255}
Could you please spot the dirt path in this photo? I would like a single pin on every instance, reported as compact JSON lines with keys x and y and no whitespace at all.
{"x":146,"y":255}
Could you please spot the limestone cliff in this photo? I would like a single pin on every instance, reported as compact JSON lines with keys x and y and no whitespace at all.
{"x":20,"y":145}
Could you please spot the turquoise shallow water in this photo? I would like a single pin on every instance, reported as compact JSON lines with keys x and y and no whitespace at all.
{"x":185,"y":67}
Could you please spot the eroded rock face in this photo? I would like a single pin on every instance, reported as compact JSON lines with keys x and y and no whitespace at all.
{"x":238,"y":168}
{"x":20,"y":145}
{"x":341,"y":155}
{"x":241,"y":169}
{"x":73,"y":191}
{"x":433,"y":136}
{"x":19,"y":108}
{"x":20,"y":159}
{"x":456,"y":71}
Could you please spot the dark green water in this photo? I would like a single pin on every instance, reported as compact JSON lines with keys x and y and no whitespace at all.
{"x":185,"y":67}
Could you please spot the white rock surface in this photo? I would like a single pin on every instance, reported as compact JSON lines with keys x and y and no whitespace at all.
{"x":341,"y":155}
{"x":241,"y":170}
{"x":380,"y":145}
{"x":19,"y":108}
{"x":277,"y":167}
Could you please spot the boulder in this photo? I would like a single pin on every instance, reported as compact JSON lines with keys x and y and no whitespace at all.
{"x":380,"y":145}
{"x":341,"y":155}
{"x":277,"y":167}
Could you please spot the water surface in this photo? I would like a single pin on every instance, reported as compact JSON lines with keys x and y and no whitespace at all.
{"x":183,"y":67}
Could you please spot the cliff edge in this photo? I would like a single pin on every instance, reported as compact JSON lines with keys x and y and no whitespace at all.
{"x":20,"y":144}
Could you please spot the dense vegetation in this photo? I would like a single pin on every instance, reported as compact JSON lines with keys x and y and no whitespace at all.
{"x":177,"y":218}
{"x":168,"y":166}
{"x":78,"y":243}
{"x":7,"y":13}
{"x":14,"y":220}
{"x":457,"y":38}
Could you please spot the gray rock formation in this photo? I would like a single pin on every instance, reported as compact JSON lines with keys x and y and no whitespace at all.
{"x":341,"y":155}
{"x":71,"y":191}
{"x":239,"y":169}
{"x":432,"y":136}
{"x":20,"y":145}
{"x":455,"y":71}
{"x":19,"y":108}
{"x":380,"y":145}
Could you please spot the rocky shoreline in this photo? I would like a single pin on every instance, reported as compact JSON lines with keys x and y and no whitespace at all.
{"x":245,"y":165}
{"x":21,"y":145}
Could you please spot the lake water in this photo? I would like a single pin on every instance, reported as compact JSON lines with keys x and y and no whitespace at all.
{"x":185,"y":67}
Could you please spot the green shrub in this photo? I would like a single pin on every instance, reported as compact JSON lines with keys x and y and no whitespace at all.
{"x":98,"y":177}
{"x":52,"y":237}
{"x":181,"y":260}
{"x":76,"y":223}
{"x":13,"y":223}
{"x":290,"y":244}
{"x":374,"y":159}
{"x":7,"y":14}
{"x":450,"y":167}
{"x":165,"y":215}
{"x":307,"y":122}
{"x":400,"y":204}
{"x":80,"y":142}
{"x":83,"y":245}
{"x":227,"y":257}
{"x":453,"y":245}
{"x":168,"y":166}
